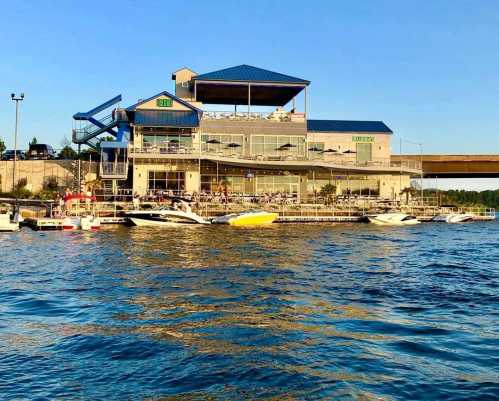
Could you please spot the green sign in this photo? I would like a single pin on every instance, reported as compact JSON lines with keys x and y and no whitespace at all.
{"x":164,"y":102}
{"x":368,"y":139}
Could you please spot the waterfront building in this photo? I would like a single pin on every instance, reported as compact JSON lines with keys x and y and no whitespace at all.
{"x":262,"y":143}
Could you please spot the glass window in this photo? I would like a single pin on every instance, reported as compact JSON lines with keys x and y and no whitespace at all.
{"x":364,"y":152}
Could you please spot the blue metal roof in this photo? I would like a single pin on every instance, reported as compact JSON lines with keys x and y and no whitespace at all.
{"x":167,"y":118}
{"x":248,"y":73}
{"x":347,"y":126}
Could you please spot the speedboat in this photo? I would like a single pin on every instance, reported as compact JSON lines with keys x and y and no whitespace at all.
{"x":7,"y":224}
{"x":165,"y":216}
{"x":393,"y":219}
{"x":80,"y":223}
{"x":459,"y":218}
{"x":249,"y":218}
{"x":89,"y":223}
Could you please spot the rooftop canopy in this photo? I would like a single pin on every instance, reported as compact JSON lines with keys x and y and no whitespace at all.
{"x":347,"y":126}
{"x":245,"y":84}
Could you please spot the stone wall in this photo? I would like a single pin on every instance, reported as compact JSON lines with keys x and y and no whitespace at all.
{"x":38,"y":172}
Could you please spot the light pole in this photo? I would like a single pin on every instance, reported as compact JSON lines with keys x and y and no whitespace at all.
{"x":16,"y":99}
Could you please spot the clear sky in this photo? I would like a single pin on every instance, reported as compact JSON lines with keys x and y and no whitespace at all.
{"x":428,"y":69}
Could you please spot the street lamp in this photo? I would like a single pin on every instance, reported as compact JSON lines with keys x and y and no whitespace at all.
{"x":16,"y":99}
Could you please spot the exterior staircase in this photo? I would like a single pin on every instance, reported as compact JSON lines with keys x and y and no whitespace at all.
{"x":87,"y":135}
{"x":74,"y":170}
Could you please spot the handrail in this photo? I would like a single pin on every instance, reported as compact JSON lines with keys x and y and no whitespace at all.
{"x":90,"y":129}
{"x":336,"y":160}
{"x":278,"y":115}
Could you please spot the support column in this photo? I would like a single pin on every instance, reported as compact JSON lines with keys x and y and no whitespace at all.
{"x":249,"y":99}
{"x":305,"y":102}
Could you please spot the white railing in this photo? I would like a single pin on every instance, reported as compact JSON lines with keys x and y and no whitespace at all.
{"x":340,"y":159}
{"x":113,"y":169}
{"x":164,"y":150}
{"x":278,"y":115}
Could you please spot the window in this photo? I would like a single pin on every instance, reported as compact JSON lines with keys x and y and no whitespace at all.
{"x":277,"y":145}
{"x":364,"y":152}
{"x":223,"y":144}
{"x":235,"y":184}
{"x":271,"y":184}
{"x":162,"y":180}
{"x":315,"y":150}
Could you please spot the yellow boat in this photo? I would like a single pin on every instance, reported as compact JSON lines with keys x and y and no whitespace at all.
{"x":249,"y":218}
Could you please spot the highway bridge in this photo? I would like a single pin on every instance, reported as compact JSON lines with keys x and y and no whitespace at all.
{"x":456,"y":166}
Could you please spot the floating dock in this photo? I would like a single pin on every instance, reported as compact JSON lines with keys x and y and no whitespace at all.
{"x":45,"y":223}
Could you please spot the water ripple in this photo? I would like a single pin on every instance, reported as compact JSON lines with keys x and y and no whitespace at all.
{"x":292,"y":312}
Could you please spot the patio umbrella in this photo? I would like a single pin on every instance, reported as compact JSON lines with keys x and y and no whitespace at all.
{"x":233,"y":145}
{"x":314,"y":149}
{"x":214,"y":141}
{"x":349,"y":151}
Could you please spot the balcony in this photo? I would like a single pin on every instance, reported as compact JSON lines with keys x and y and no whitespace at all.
{"x":114,"y":170}
{"x":289,"y":160}
{"x":276,"y":116}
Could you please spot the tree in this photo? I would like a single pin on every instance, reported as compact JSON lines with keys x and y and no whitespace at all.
{"x":87,"y":154}
{"x":34,"y":141}
{"x":407,"y":191}
{"x":328,"y":191}
{"x":2,"y":147}
{"x":68,"y":153}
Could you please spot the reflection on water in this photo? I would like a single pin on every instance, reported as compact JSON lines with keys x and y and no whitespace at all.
{"x":288,"y":312}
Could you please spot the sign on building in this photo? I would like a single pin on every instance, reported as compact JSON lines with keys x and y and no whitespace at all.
{"x":365,"y":139}
{"x":164,"y":102}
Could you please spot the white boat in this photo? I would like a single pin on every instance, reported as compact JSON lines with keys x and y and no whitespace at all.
{"x":459,"y":218}
{"x":89,"y":223}
{"x":81,"y":223}
{"x":165,"y":216}
{"x":248,"y":218}
{"x":393,"y":219}
{"x":7,"y":224}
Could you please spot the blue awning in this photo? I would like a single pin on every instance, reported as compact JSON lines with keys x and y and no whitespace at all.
{"x":167,"y":118}
{"x":113,"y":145}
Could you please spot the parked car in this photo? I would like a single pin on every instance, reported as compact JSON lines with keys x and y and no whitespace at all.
{"x":41,"y":151}
{"x":9,"y":155}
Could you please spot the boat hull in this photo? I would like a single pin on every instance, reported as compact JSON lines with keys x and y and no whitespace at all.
{"x":459,"y":218}
{"x":158,"y":223}
{"x":11,"y":227}
{"x":393,"y":220}
{"x":247,"y":219}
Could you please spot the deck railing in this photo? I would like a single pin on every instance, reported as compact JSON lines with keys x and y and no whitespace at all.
{"x":277,"y":116}
{"x":113,"y":170}
{"x":237,"y":153}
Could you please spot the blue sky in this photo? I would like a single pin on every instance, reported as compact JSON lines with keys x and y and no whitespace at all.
{"x":427,"y":69}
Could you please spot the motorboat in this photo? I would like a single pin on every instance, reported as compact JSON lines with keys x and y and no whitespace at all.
{"x":440,"y":218}
{"x":248,"y":218}
{"x":89,"y":223}
{"x":81,"y":223}
{"x":393,"y":219}
{"x":8,"y":224}
{"x":459,"y":218}
{"x":165,"y":216}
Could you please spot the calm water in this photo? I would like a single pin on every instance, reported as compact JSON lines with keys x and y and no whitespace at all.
{"x":290,"y":312}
